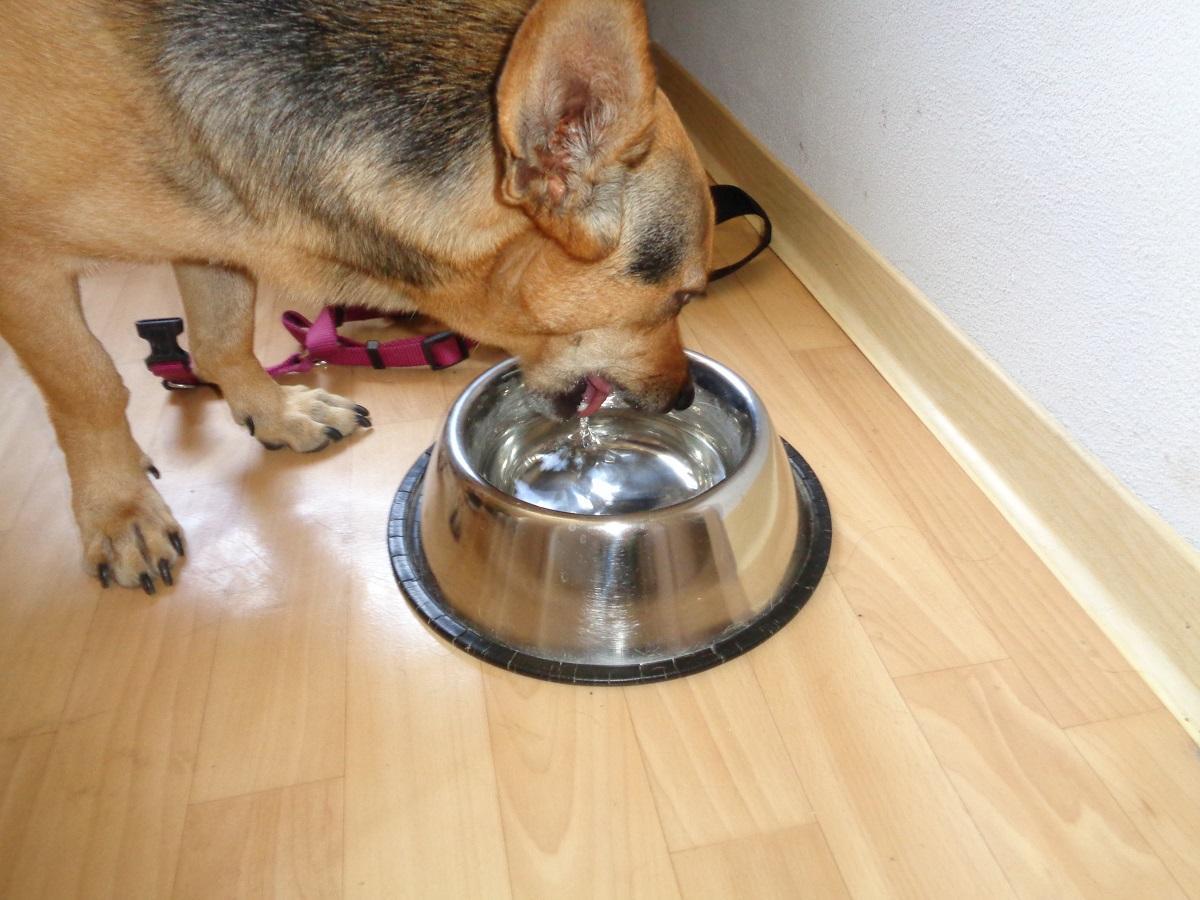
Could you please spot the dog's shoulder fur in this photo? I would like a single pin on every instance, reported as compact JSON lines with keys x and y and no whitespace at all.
{"x":277,"y":129}
{"x":261,"y":89}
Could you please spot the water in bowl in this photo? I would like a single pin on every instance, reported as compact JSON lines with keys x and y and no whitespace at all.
{"x":612,"y":463}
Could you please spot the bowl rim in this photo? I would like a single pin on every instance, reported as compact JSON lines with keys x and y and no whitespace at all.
{"x":450,"y":447}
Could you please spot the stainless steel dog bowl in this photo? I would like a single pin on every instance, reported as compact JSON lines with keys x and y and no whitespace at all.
{"x":622,"y":548}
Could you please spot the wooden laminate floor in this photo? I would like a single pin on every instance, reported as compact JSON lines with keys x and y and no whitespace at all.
{"x":941,"y":720}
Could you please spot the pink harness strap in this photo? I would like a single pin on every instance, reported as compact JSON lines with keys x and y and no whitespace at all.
{"x":320,"y":344}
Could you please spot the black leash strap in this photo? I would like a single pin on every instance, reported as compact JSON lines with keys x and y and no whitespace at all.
{"x":730,"y":203}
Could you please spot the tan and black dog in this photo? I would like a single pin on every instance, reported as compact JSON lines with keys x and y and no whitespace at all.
{"x":509,"y":167}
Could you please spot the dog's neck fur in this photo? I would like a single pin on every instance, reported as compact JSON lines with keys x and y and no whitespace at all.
{"x":373,"y":120}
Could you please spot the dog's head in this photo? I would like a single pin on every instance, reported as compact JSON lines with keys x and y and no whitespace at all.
{"x":595,"y":155}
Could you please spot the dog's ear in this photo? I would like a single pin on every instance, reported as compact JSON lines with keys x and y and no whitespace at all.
{"x":576,"y":108}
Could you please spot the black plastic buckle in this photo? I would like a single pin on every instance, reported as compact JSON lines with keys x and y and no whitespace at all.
{"x":374,"y":355}
{"x":161,"y":335}
{"x":428,"y":343}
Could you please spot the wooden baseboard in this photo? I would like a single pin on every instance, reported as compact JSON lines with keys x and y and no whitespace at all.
{"x":1133,"y":574}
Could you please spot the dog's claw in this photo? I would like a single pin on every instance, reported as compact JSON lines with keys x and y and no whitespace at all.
{"x":164,"y":571}
{"x":250,"y":425}
{"x":362,"y":411}
{"x":364,"y":422}
{"x":153,"y":470}
{"x":104,"y":573}
{"x":147,"y":583}
{"x":176,"y":542}
{"x":333,"y":434}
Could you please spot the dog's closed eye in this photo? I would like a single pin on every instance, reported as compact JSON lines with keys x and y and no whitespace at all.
{"x":683,"y":298}
{"x":674,"y":306}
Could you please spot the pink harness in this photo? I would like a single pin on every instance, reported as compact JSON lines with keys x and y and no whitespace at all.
{"x":320,"y":344}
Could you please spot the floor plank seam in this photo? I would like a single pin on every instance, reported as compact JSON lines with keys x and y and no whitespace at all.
{"x":1123,"y":718}
{"x":187,"y":806}
{"x":346,"y":738}
{"x":647,"y":772}
{"x":932,"y":753}
{"x":197,"y":804}
{"x":837,"y":863}
{"x":969,"y":665}
{"x":981,"y":611}
{"x":187,"y":815}
{"x":765,"y":834}
{"x":487,"y":720}
{"x":782,"y":741}
{"x":648,"y":768}
{"x":36,"y":731}
{"x":1013,"y":892}
{"x":70,"y":691}
{"x":212,"y":665}
{"x":1150,"y":844}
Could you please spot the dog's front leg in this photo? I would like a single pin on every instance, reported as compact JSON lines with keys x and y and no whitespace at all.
{"x":129,"y":534}
{"x":220,"y":310}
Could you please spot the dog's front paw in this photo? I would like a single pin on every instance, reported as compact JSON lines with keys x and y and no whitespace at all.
{"x":304,"y":419}
{"x":129,"y":534}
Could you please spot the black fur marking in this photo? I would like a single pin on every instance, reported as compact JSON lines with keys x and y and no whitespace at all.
{"x":419,"y":74}
{"x":276,"y":96}
{"x":660,"y":249}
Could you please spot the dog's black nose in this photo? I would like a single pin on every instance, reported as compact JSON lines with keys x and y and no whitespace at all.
{"x":687,"y":395}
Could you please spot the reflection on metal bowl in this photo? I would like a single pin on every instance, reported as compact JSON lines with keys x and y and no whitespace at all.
{"x":622,"y":548}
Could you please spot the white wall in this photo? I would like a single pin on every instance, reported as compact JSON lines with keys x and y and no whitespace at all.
{"x":1033,"y":167}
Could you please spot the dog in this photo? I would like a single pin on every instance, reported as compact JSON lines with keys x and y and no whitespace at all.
{"x":507,"y":167}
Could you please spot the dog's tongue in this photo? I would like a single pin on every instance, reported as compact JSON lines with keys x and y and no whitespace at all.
{"x":594,"y":395}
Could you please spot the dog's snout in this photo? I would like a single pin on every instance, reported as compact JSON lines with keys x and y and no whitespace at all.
{"x":687,"y":395}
